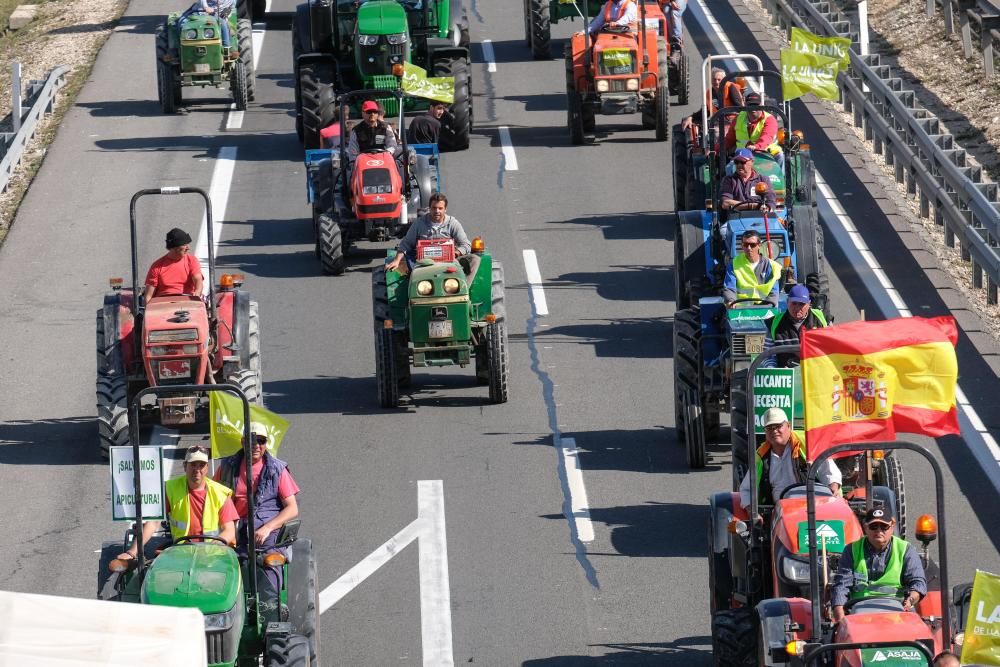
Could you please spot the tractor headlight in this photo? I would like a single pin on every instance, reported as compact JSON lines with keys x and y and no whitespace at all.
{"x":632,"y":84}
{"x":425,"y":288}
{"x":191,"y":34}
{"x":795,"y":570}
{"x":451,"y":286}
{"x":222,"y":621}
{"x":367,"y":40}
{"x":398,"y":38}
{"x":603,"y":85}
{"x":172,"y":335}
{"x":209,"y":33}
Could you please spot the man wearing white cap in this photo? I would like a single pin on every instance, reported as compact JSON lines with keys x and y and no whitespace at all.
{"x":196,"y":505}
{"x":781,"y":462}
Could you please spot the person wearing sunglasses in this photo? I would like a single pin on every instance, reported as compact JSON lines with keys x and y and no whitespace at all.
{"x":371,"y":134}
{"x":274,"y":492}
{"x":738,"y":191}
{"x":787,"y":328}
{"x":196,"y":505}
{"x":879,"y":564}
{"x":750,"y":275}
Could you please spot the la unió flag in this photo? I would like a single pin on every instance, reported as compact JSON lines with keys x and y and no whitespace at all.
{"x":981,"y":645}
{"x":811,"y":64}
{"x":225,"y":414}
{"x":866,"y":381}
{"x":837,"y":48}
{"x":417,"y":83}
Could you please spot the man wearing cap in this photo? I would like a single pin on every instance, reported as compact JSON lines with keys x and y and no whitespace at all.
{"x":196,"y":505}
{"x":781,"y":462}
{"x":787,"y":328}
{"x":177,"y":272}
{"x":756,"y":130}
{"x":371,"y":134}
{"x":879,"y":564}
{"x":738,"y":191}
{"x":750,"y":275}
{"x":274,"y":493}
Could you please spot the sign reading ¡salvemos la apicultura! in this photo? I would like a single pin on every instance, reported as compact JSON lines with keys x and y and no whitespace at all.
{"x":123,"y":496}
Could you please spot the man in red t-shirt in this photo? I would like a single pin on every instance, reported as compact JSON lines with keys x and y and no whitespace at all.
{"x":177,"y":272}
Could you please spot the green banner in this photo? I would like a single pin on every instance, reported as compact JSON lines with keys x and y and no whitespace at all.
{"x":803,"y":73}
{"x":893,"y":657}
{"x":982,"y":629}
{"x":772,"y":388}
{"x":830,"y":533}
{"x":614,"y":58}
{"x":837,"y":48}
{"x":417,"y":83}
{"x":225,"y":413}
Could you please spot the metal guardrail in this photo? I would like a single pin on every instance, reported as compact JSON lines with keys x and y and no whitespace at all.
{"x":41,"y":100}
{"x":979,"y":16}
{"x":911,"y":140}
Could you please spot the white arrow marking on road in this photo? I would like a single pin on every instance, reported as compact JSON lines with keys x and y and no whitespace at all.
{"x":509,"y":157}
{"x":535,"y":280}
{"x":488,"y":56}
{"x":218,"y":193}
{"x":435,"y":590}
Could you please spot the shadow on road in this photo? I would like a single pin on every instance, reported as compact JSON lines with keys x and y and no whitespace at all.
{"x":678,"y":653}
{"x":644,"y":338}
{"x":637,"y":226}
{"x":634,"y":283}
{"x":69,"y":441}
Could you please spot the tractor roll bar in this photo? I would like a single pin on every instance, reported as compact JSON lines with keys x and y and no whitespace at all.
{"x":133,"y":434}
{"x":814,"y":587}
{"x":706,"y":79}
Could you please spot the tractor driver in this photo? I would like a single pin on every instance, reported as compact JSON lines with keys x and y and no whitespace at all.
{"x":738,"y":191}
{"x":196,"y":505}
{"x":436,"y":224}
{"x":756,"y":130}
{"x":879,"y":564}
{"x":787,"y":328}
{"x":621,"y":13}
{"x":177,"y":272}
{"x":371,"y":133}
{"x":751,"y":275}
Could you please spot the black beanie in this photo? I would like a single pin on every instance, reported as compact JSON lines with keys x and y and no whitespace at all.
{"x":177,"y":237}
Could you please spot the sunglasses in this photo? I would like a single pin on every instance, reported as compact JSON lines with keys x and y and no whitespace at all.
{"x":878,"y":527}
{"x":372,"y":111}
{"x":197,"y":448}
{"x":773,"y":427}
{"x":750,"y":245}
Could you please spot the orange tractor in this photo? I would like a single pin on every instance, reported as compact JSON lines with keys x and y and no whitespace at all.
{"x":173,"y":340}
{"x":623,"y":71}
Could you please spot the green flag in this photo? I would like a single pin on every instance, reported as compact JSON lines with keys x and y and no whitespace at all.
{"x":803,"y":73}
{"x":837,"y":48}
{"x":416,"y":82}
{"x":982,"y":630}
{"x":225,"y":413}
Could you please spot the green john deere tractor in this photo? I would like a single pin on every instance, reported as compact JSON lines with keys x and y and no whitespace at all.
{"x":435,"y":317}
{"x":539,"y":15}
{"x":245,"y":619}
{"x":189,"y":52}
{"x":338,"y":45}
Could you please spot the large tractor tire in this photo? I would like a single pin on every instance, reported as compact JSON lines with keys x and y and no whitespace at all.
{"x":318,"y":101}
{"x":538,"y":29}
{"x":253,"y":345}
{"x":810,"y":256}
{"x":244,"y":31}
{"x":331,"y":246}
{"x":238,"y":85}
{"x":680,"y":148}
{"x":662,"y":92}
{"x":456,"y":126}
{"x":680,"y":79}
{"x":386,"y":374}
{"x":112,"y":394}
{"x":246,"y":380}
{"x":689,"y":401}
{"x":301,"y":43}
{"x":499,"y":361}
{"x":168,"y":89}
{"x":805,"y":187}
{"x":690,"y":264}
{"x":303,"y":595}
{"x":288,"y":651}
{"x":894,"y":480}
{"x":739,"y":438}
{"x":734,"y":638}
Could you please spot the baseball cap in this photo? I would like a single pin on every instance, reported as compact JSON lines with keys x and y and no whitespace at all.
{"x":369,"y":105}
{"x":259,"y":429}
{"x":196,"y":453}
{"x":799,"y":294}
{"x":743,"y":154}
{"x":877,"y":515}
{"x":753,"y":98}
{"x":775,"y":416}
{"x":177,"y":237}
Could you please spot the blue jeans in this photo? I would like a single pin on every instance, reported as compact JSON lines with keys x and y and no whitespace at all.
{"x":224,"y":28}
{"x":676,"y":26}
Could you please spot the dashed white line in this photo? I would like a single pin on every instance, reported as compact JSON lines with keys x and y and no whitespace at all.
{"x":535,"y":280}
{"x":218,"y":193}
{"x":491,"y":65}
{"x":579,"y":506}
{"x":510,"y":159}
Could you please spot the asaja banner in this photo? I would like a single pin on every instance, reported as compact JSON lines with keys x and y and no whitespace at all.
{"x":417,"y":83}
{"x":982,"y":629}
{"x":123,"y":482}
{"x":772,"y":388}
{"x":830,"y":533}
{"x":225,"y":413}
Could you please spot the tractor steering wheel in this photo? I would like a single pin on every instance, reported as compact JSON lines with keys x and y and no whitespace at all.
{"x":750,"y":206}
{"x":818,"y":489}
{"x":754,"y":300}
{"x":850,"y":603}
{"x":191,"y":538}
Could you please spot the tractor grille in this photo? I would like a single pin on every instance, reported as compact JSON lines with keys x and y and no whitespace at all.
{"x":747,"y":345}
{"x":385,"y":82}
{"x":376,"y":208}
{"x":221,"y":648}
{"x":618,"y":85}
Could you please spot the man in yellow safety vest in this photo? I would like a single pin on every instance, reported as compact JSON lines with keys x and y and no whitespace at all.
{"x":757,"y":130}
{"x":751,"y":275}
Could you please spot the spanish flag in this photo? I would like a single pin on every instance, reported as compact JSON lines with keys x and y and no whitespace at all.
{"x":864,"y":381}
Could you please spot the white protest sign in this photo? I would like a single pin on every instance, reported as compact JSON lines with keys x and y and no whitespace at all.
{"x":123,"y":483}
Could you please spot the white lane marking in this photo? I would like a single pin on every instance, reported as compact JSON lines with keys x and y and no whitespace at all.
{"x":491,"y":65}
{"x":579,"y":504}
{"x":535,"y":280}
{"x":435,"y":588}
{"x":234,"y":118}
{"x":218,"y":193}
{"x":981,"y":442}
{"x":510,"y":158}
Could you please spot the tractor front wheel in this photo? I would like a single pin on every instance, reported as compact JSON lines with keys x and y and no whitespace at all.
{"x":540,"y":33}
{"x":734,"y":638}
{"x":287,"y":651}
{"x":574,"y":118}
{"x":331,"y":247}
{"x":456,"y":126}
{"x":303,"y":595}
{"x":112,"y":413}
{"x":246,"y":380}
{"x":688,"y":388}
{"x":238,"y":84}
{"x":167,"y":83}
{"x":386,"y":373}
{"x":499,"y":362}
{"x":662,"y":92}
{"x":244,"y":31}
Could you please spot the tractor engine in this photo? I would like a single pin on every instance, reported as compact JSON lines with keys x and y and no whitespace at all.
{"x":616,"y":60}
{"x":175,"y":351}
{"x":200,"y":45}
{"x":377,"y":191}
{"x":382,"y":38}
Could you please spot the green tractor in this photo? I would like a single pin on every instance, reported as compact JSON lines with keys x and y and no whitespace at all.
{"x":539,"y":15}
{"x":435,"y":317}
{"x":189,"y":52}
{"x":340,"y":45}
{"x":244,"y":622}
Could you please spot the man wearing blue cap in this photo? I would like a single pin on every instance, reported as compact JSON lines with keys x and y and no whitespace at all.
{"x":738,"y":191}
{"x":787,"y":328}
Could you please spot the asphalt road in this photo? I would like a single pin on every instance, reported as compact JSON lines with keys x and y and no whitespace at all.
{"x":591,"y":378}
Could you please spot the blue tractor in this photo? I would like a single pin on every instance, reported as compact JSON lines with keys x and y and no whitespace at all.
{"x":712,"y":343}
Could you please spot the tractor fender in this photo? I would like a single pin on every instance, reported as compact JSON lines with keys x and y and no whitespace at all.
{"x":777,"y":616}
{"x":118,"y":332}
{"x":723,"y":507}
{"x":438,"y":49}
{"x":241,"y":326}
{"x":425,"y":180}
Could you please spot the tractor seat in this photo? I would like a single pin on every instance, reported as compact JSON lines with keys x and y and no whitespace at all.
{"x":877,"y":606}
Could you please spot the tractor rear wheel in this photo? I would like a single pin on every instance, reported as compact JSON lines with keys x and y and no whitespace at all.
{"x":303,"y":595}
{"x":318,"y":101}
{"x":680,"y":171}
{"x":499,"y":362}
{"x":238,"y":84}
{"x":734,"y":638}
{"x":253,"y":345}
{"x":331,"y":247}
{"x":540,"y":29}
{"x":690,"y":265}
{"x":244,"y":30}
{"x":738,"y":437}
{"x":680,"y":76}
{"x":574,"y":118}
{"x":810,"y":256}
{"x":385,"y":368}
{"x":246,"y":380}
{"x":456,"y":126}
{"x":689,"y":400}
{"x":301,"y":43}
{"x":805,"y":186}
{"x":894,"y":480}
{"x":167,"y":83}
{"x":662,"y":92}
{"x":287,"y":651}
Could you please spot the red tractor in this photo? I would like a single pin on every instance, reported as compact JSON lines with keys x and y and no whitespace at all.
{"x":183,"y":339}
{"x":621,"y":72}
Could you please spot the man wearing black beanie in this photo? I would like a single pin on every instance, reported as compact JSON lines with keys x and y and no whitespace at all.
{"x":177,"y":272}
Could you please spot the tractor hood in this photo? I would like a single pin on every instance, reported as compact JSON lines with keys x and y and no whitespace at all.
{"x":381,"y":17}
{"x":176,"y":313}
{"x":885,"y":627}
{"x":203,"y":576}
{"x":437,"y":273}
{"x":836,"y":524}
